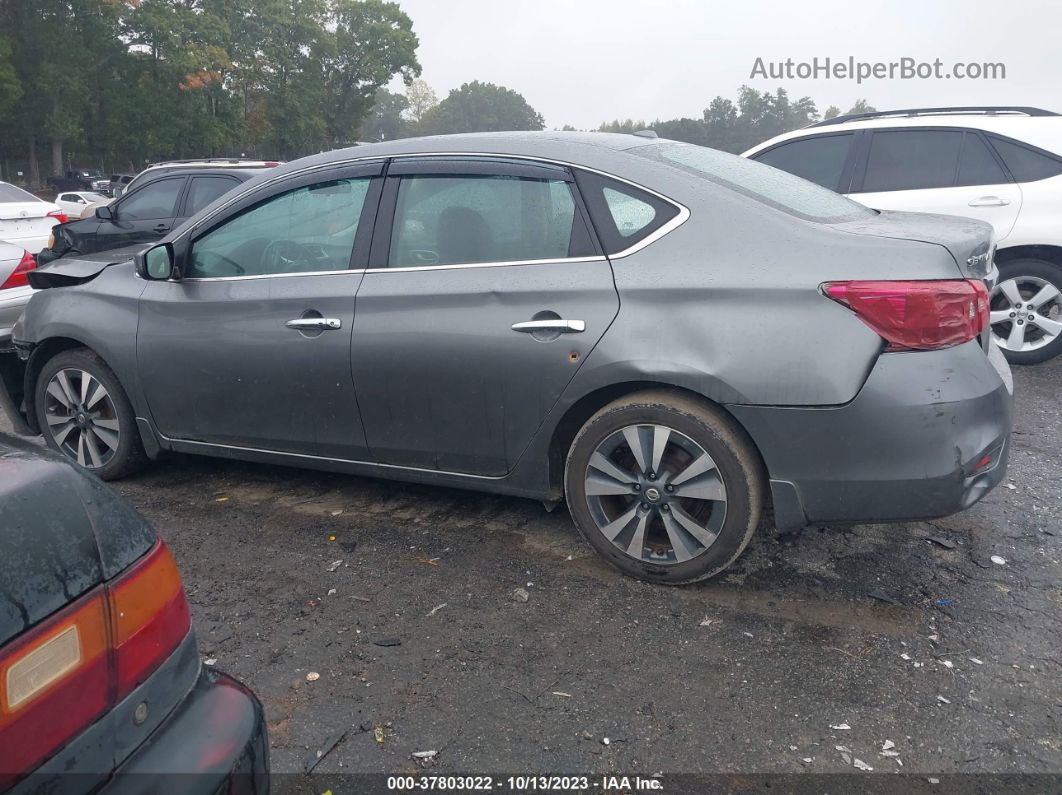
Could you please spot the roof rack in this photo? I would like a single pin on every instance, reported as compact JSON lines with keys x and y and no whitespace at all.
{"x":998,"y":110}
{"x":233,"y":160}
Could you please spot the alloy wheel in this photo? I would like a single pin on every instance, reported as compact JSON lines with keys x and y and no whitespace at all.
{"x":1026,"y":313}
{"x":656,"y":494}
{"x":81,"y":417}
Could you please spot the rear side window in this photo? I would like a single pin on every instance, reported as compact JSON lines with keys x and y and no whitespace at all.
{"x":770,"y":186}
{"x":467,"y":219}
{"x":978,"y":166}
{"x":1025,"y":163}
{"x":912,"y":160}
{"x":819,"y":159}
{"x":623,"y":214}
{"x":204,"y":190}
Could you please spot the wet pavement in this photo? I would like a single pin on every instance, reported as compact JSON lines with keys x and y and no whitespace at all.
{"x":911,"y":645}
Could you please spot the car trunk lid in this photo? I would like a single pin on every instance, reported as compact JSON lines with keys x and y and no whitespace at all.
{"x":967,"y":240}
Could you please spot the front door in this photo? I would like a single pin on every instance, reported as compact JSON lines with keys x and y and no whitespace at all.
{"x":485,"y":294}
{"x":251,"y":347}
{"x":145,"y":215}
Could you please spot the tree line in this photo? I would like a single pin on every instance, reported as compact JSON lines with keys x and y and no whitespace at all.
{"x":115,"y":84}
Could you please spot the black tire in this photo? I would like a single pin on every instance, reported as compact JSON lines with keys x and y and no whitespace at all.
{"x":736,"y":461}
{"x":1044,"y":271}
{"x":128,"y":454}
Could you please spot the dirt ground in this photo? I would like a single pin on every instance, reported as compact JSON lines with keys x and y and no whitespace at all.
{"x":383,"y":614}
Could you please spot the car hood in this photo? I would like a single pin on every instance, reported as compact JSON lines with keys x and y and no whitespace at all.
{"x":62,"y":532}
{"x":80,"y":268}
{"x":969,"y":241}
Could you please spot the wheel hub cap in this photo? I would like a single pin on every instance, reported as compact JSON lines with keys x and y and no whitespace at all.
{"x":81,"y":418}
{"x":1026,"y":313}
{"x":655,"y":494}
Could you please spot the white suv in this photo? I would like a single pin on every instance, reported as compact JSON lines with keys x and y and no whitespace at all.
{"x":1001,"y":165}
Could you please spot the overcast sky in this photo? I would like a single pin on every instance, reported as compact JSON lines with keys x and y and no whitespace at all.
{"x":582,"y":62}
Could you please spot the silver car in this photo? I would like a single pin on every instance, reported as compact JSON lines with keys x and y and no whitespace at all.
{"x":15,"y":290}
{"x":671,"y":339}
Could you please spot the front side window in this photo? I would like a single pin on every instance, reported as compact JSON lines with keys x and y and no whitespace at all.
{"x":912,"y":160}
{"x":156,"y":200}
{"x":306,"y":230}
{"x":450,"y":220}
{"x":819,"y":159}
{"x":771,"y":186}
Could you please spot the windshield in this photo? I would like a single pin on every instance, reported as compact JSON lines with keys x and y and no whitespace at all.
{"x":9,"y":193}
{"x":774,"y":187}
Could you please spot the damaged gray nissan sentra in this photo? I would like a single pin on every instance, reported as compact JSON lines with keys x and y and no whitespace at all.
{"x":670,"y":338}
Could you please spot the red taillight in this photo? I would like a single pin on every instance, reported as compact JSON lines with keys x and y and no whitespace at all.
{"x":149,"y":617}
{"x":59,"y":215}
{"x":18,"y":276}
{"x":62,"y":675}
{"x":917,"y":315}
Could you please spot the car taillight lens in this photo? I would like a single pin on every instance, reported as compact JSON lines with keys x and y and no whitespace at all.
{"x":59,"y":677}
{"x":18,"y":276}
{"x":149,"y":617}
{"x":59,"y":216}
{"x":917,"y":315}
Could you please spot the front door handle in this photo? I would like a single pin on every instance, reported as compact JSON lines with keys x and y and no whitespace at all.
{"x":315,"y":323}
{"x":989,"y":201}
{"x":161,"y":228}
{"x":563,"y":326}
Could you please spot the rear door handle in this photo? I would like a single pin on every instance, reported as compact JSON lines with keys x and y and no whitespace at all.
{"x":989,"y":201}
{"x":563,"y":326}
{"x":315,"y":323}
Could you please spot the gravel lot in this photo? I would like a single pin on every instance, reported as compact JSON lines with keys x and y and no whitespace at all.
{"x":907,"y":633}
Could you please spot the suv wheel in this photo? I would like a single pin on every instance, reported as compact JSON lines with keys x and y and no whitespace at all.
{"x":666,"y":488}
{"x":1027,"y":311}
{"x":84,"y":414}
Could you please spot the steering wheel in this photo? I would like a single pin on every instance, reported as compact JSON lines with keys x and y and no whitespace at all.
{"x":284,"y":256}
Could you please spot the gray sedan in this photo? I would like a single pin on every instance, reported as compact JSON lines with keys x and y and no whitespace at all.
{"x":676,"y":341}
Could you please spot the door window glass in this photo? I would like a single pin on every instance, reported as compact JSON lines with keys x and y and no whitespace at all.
{"x":912,"y":159}
{"x":156,"y":200}
{"x":305,"y":230}
{"x":204,"y":190}
{"x":443,"y":220}
{"x":977,"y":166}
{"x":1027,"y":165}
{"x":820,"y":159}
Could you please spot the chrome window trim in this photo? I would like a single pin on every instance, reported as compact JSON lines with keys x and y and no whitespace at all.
{"x":681,"y":218}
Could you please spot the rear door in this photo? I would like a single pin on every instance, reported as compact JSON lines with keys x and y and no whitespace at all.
{"x":143,"y":216}
{"x":937,"y":170}
{"x":485,"y":293}
{"x":202,"y":190}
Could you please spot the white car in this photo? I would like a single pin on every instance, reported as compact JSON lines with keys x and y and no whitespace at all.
{"x":15,"y":290}
{"x":1001,"y":165}
{"x":74,"y":202}
{"x":25,"y":220}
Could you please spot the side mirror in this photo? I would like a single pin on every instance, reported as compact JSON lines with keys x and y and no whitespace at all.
{"x":104,"y":213}
{"x":155,"y":264}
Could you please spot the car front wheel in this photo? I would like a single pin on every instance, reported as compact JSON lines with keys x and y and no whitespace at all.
{"x":1026,"y":309}
{"x":84,"y":413}
{"x":667,"y":488}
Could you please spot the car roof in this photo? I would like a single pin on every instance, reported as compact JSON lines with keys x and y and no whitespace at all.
{"x":1041,"y":131}
{"x":240,"y":173}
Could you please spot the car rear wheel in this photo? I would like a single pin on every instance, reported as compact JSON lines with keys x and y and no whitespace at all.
{"x":84,"y":414}
{"x":667,"y":488}
{"x":1027,"y":311}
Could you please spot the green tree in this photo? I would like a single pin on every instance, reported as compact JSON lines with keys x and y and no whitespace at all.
{"x":861,"y":106}
{"x":386,"y":119}
{"x":832,"y":112}
{"x":420,"y":98}
{"x":479,"y":107}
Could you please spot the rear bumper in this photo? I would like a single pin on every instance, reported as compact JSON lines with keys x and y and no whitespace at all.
{"x":215,"y":741}
{"x":907,"y":447}
{"x":12,"y":302}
